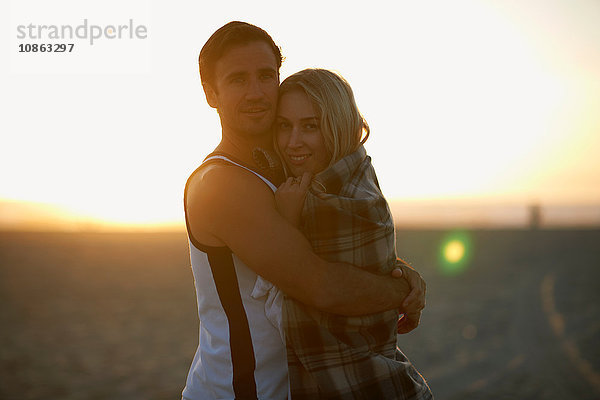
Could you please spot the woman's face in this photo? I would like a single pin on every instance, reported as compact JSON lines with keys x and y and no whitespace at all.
{"x":299,"y":136}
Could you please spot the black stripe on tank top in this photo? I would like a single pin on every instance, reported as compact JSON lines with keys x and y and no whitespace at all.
{"x":240,"y":342}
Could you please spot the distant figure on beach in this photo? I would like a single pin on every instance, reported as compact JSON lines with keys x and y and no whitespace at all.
{"x":535,"y":217}
{"x":236,"y":235}
{"x":319,"y":132}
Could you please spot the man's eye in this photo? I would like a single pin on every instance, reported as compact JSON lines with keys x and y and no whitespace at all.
{"x":237,"y":80}
{"x":311,"y":127}
{"x":283,"y":125}
{"x":267,"y":76}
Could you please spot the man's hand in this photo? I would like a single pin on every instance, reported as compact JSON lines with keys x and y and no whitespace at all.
{"x":414,"y":303}
{"x":408,"y":322}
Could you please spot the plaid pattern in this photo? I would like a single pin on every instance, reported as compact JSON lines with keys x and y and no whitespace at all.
{"x":347,"y":219}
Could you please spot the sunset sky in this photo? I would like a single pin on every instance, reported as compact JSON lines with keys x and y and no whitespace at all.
{"x":494,"y":102}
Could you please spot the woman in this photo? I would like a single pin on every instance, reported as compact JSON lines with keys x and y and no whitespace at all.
{"x":320,"y":132}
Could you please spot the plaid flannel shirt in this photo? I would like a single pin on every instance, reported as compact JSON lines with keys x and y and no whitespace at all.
{"x":346,"y":219}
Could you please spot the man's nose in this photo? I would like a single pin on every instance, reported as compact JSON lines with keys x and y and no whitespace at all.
{"x":255,"y":90}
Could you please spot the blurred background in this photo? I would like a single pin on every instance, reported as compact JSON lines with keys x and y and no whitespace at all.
{"x":485,"y":135}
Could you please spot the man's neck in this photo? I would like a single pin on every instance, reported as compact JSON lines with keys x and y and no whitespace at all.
{"x":242,"y":148}
{"x":256,"y":152}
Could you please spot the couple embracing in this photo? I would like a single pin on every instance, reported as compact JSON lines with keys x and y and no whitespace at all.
{"x":300,"y":293}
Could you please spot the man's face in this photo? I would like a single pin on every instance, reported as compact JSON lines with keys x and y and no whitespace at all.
{"x":246,"y":86}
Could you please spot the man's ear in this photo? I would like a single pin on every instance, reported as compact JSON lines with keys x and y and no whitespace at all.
{"x":211,"y":95}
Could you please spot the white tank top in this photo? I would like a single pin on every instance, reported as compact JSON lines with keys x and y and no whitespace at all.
{"x":240,"y":354}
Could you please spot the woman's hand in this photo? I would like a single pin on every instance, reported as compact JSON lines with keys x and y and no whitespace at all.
{"x":290,"y":196}
{"x":415,"y":301}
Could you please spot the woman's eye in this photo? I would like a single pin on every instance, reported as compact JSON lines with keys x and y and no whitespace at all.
{"x":283,"y":125}
{"x":310,"y":127}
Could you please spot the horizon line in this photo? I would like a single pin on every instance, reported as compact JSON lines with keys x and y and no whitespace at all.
{"x":30,"y":216}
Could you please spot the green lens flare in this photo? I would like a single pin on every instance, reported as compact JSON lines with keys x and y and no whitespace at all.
{"x":455,"y":252}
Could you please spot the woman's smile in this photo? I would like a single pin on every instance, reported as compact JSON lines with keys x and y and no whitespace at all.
{"x":299,"y":136}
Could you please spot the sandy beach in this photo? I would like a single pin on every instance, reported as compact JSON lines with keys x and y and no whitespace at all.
{"x":113,"y":316}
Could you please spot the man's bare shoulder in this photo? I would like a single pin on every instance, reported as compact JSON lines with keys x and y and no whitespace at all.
{"x":219,"y":196}
{"x":224,"y":179}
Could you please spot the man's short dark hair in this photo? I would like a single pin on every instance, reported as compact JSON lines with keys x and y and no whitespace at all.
{"x":233,"y":34}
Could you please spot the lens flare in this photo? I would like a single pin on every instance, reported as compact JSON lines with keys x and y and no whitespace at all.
{"x":455,"y":253}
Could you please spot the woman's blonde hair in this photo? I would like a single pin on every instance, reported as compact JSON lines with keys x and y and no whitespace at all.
{"x":343,"y":127}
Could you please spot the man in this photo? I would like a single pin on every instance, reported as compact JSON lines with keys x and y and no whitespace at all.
{"x":236,"y":233}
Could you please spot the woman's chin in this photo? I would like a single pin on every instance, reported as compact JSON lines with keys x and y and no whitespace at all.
{"x":294,"y":170}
